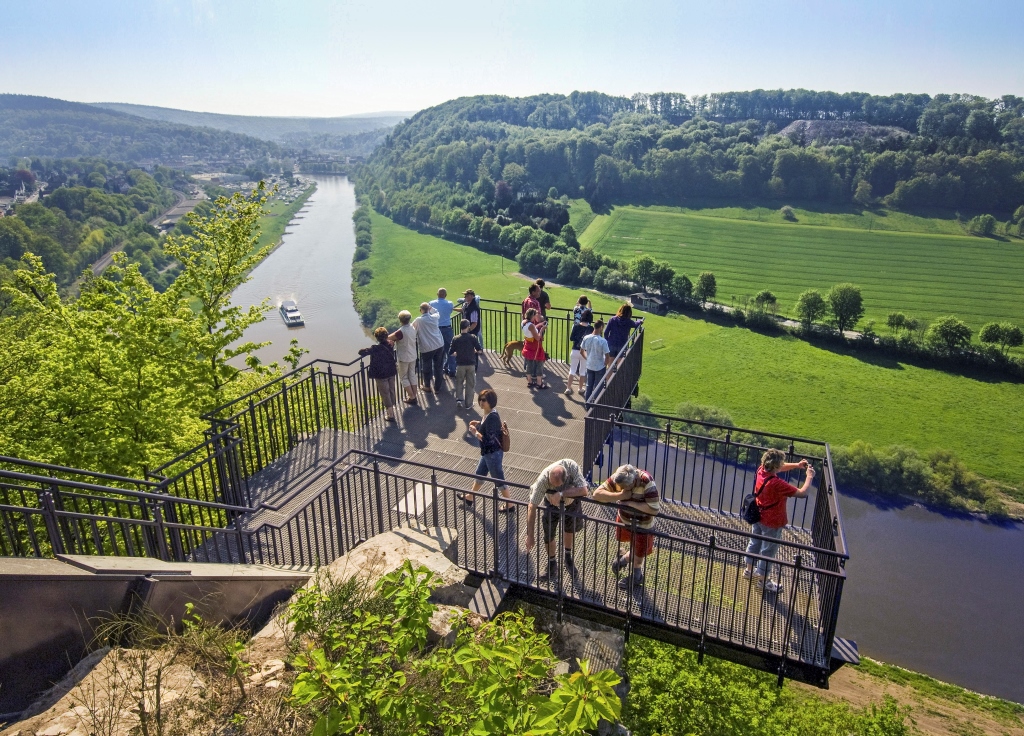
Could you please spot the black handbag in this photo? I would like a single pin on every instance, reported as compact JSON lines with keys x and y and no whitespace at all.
{"x":749,"y":510}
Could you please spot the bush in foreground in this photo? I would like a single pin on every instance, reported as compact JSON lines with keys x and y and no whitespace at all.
{"x":671,"y":694}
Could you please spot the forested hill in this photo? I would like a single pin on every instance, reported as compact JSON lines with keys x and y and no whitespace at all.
{"x":915,"y":151}
{"x":41,"y":126}
{"x":278,"y":129}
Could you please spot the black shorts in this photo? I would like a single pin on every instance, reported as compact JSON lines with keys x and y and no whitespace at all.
{"x":573,"y":520}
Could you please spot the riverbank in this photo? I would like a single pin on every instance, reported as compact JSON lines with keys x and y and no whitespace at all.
{"x":279,"y":215}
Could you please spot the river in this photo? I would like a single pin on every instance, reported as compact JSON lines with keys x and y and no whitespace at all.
{"x":936,"y":593}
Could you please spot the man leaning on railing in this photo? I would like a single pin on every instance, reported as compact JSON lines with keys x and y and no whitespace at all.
{"x":560,"y":480}
{"x":639,"y":502}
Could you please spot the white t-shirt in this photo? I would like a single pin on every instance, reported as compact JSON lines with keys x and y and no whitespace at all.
{"x":596,"y":347}
{"x":406,"y":347}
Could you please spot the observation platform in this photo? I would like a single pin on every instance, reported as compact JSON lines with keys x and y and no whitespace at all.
{"x":303,"y":470}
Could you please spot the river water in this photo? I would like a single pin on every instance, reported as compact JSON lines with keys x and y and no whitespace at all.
{"x":932,"y":592}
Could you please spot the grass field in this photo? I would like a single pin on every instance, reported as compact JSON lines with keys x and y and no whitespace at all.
{"x":770,"y":383}
{"x":922,"y":274}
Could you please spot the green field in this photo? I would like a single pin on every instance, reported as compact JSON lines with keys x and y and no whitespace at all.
{"x":771,"y":383}
{"x":924,"y":275}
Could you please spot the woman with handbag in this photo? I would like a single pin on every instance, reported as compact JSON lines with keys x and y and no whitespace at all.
{"x":769,"y":508}
{"x":494,"y":440}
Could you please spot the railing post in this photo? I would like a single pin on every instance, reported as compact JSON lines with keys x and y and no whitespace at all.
{"x":226,"y":492}
{"x":316,"y":401}
{"x":287,"y":413}
{"x":504,"y":325}
{"x":339,"y":529}
{"x":255,"y":435}
{"x":380,"y":500}
{"x":789,"y":618}
{"x":725,"y":460}
{"x":560,"y":552}
{"x":707,"y":601}
{"x":494,"y":536}
{"x":631,"y":580}
{"x":161,"y":533}
{"x":52,"y":525}
{"x":170,"y":515}
{"x":334,"y":403}
{"x":433,"y":496}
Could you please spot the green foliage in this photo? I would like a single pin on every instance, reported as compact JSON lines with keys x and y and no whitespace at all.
{"x":706,"y":287}
{"x":370,"y":673}
{"x":1004,"y":334}
{"x":641,"y":269}
{"x":846,"y":305}
{"x":984,"y":225}
{"x":787,"y":213}
{"x":216,"y":259}
{"x":938,"y":478}
{"x":810,"y":308}
{"x":948,"y":334}
{"x":671,"y":694}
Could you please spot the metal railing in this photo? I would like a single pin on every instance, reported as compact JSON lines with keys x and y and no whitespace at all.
{"x":501,"y":323}
{"x":621,"y":383}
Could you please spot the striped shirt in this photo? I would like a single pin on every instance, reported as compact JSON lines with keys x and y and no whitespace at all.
{"x":645,"y":490}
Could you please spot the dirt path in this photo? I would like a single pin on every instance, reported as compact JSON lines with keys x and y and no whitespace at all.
{"x":929,"y":714}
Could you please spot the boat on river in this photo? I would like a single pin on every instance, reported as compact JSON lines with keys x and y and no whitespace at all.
{"x":291,"y":315}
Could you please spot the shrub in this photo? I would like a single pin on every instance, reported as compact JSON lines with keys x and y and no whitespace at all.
{"x":761,"y":321}
{"x":360,"y":254}
{"x":787,"y":213}
{"x":362,"y":275}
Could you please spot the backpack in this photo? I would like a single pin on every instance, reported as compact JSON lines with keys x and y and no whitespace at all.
{"x":506,"y":438}
{"x":749,"y":510}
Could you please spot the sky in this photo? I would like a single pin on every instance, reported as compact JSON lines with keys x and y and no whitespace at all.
{"x":322,"y":58}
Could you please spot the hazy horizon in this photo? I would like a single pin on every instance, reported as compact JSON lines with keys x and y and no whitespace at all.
{"x":323,"y":59}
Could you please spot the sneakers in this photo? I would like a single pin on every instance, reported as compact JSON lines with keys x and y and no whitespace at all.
{"x":568,"y":392}
{"x":458,"y":404}
{"x":570,"y":564}
{"x":769,"y":586}
{"x":638,"y":580}
{"x":618,"y":565}
{"x":552,"y":572}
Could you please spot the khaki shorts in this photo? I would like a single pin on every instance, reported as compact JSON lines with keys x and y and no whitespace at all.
{"x":572,"y":521}
{"x":386,"y":389}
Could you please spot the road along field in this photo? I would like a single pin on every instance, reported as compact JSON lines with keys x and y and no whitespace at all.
{"x":781,"y":384}
{"x":923,"y":275}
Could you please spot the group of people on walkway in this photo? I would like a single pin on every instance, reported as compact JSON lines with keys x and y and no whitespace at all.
{"x":427,"y":347}
{"x":559,"y":487}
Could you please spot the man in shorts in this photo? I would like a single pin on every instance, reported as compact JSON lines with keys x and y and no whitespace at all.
{"x":639,"y":502}
{"x":560,"y":480}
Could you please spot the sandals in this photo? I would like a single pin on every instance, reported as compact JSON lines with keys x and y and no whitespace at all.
{"x":506,"y":507}
{"x":466,"y":498}
{"x":542,"y":385}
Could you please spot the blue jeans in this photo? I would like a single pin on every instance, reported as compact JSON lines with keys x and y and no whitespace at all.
{"x":763,"y":547}
{"x":490,"y":464}
{"x":448,"y":334}
{"x":432,"y":363}
{"x":594,"y":379}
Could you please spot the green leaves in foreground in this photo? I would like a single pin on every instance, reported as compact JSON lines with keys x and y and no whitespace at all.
{"x":376,"y":676}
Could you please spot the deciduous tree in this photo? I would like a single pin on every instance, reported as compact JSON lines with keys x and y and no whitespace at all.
{"x":810,"y":307}
{"x":948,"y":334}
{"x":846,"y":305}
{"x":706,"y":287}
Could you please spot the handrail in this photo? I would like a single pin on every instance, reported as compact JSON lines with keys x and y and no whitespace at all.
{"x":212,"y":414}
{"x":519,"y":305}
{"x":225,"y":435}
{"x":833,"y":502}
{"x":734,"y":430}
{"x":76,"y":471}
{"x":161,"y":497}
{"x":674,"y":418}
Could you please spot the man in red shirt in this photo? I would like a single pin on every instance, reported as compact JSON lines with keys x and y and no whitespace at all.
{"x":532,"y":302}
{"x":770,"y":494}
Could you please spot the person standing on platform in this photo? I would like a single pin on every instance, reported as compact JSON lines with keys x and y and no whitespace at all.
{"x":619,"y":328}
{"x":404,"y":340}
{"x":489,"y":432}
{"x":444,"y":309}
{"x":577,"y":365}
{"x":428,"y":333}
{"x":582,"y":305}
{"x":770,"y":495}
{"x":532,"y":301}
{"x":560,"y":480}
{"x":533,"y":349}
{"x":382,"y":370}
{"x":543,"y":299}
{"x":639,"y":502}
{"x":594,"y":349}
{"x":469,"y":308}
{"x":465,"y":349}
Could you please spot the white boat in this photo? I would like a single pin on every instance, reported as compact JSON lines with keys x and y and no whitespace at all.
{"x":290,"y":314}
